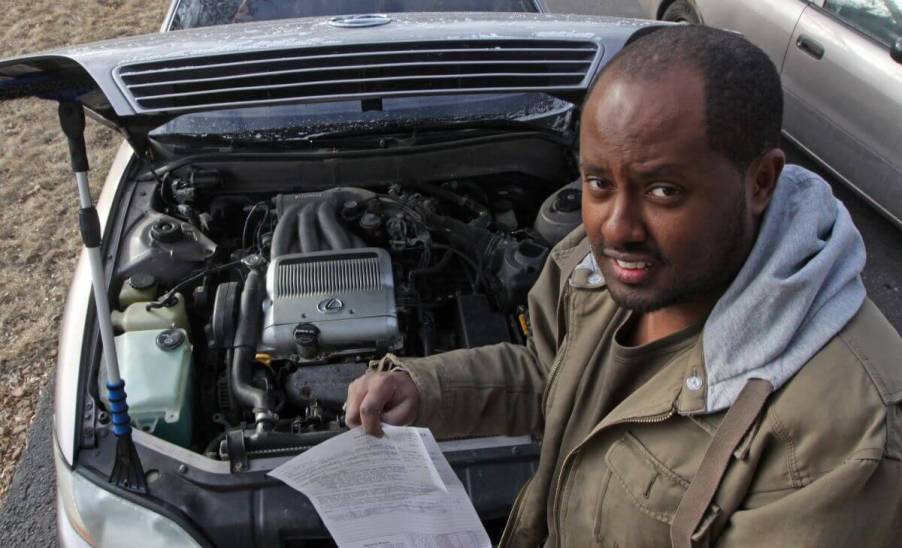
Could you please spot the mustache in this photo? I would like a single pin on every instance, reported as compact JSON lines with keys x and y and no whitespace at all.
{"x":639,"y":251}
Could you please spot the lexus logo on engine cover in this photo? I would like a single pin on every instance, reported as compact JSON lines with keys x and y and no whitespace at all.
{"x":330,"y":305}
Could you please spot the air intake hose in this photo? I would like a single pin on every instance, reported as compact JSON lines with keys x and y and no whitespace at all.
{"x":245,"y":347}
{"x":283,"y":236}
{"x":310,"y":223}
{"x":307,"y":231}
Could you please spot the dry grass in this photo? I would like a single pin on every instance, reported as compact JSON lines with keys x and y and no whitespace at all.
{"x":38,"y":236}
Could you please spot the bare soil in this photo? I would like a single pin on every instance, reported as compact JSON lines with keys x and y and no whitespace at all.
{"x":39,"y":240}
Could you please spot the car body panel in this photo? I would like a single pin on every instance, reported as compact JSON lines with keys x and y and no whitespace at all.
{"x":88,"y":73}
{"x":170,"y":13}
{"x":66,"y":536}
{"x":846,"y":107}
{"x":766,"y":23}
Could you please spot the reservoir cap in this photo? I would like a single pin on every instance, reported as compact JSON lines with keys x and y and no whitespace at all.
{"x":142,"y":280}
{"x":170,"y":339}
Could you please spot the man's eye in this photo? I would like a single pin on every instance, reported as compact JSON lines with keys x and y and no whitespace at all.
{"x":597,"y":184}
{"x":664,"y":191}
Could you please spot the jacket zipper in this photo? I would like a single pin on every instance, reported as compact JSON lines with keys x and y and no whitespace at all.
{"x":559,"y":358}
{"x":555,"y":367}
{"x":647,"y":420}
{"x":565,"y":468}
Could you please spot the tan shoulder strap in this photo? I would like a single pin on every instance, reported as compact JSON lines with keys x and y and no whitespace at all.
{"x":706,"y":481}
{"x":569,"y":264}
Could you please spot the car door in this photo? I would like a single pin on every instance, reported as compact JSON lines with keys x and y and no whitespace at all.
{"x":843,"y":94}
{"x":766,"y":23}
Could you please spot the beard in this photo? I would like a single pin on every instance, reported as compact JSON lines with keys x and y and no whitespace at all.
{"x":720,"y":256}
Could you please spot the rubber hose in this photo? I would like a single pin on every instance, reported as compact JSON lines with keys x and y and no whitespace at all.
{"x":283,"y":236}
{"x":466,"y":237}
{"x":245,"y":346}
{"x":308,"y":235}
{"x":438,"y":267}
{"x":336,"y":237}
{"x":439,"y":192}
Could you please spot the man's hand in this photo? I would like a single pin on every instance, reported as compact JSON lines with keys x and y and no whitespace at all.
{"x":376,"y":397}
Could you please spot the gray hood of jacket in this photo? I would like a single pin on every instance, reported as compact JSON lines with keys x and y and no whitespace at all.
{"x":800,"y":285}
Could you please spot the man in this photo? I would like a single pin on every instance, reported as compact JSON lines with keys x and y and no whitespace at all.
{"x":704,"y":276}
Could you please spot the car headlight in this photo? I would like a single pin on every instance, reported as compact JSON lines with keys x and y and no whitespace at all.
{"x":104,"y":519}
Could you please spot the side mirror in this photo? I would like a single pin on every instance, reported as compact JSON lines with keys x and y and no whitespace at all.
{"x":896,"y":51}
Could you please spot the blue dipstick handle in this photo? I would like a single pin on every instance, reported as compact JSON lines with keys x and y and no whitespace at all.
{"x":119,"y":409}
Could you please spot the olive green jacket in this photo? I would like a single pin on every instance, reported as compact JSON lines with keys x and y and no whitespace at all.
{"x":822,"y":466}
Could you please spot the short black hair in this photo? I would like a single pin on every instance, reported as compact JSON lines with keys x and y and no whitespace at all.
{"x":743,"y":96}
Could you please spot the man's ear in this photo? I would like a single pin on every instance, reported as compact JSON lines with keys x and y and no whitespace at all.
{"x":764,"y":174}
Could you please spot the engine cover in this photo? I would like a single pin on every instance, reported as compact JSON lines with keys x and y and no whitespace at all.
{"x":348,"y":295}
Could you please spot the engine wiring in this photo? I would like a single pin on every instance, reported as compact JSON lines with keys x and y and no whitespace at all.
{"x":247,"y":221}
{"x":474,"y":283}
{"x":168,"y":299}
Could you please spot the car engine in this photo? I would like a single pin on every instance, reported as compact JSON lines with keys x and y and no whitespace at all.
{"x":327,"y":291}
{"x":286,"y":296}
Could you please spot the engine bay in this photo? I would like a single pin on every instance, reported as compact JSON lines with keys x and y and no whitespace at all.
{"x":243,"y":313}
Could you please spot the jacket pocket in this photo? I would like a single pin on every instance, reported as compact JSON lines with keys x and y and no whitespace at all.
{"x":641,"y":498}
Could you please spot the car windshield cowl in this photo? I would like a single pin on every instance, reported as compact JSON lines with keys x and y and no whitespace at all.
{"x":414,"y":120}
{"x":380,"y":137}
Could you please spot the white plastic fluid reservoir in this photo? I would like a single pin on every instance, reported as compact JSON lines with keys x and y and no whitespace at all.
{"x":137,"y":317}
{"x":157,"y":367}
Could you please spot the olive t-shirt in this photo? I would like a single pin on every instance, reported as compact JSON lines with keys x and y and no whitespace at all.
{"x":617,"y":371}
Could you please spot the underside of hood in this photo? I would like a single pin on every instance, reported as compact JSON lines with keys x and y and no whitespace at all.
{"x":137,"y":84}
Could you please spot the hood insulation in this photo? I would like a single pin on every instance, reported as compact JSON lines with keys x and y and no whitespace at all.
{"x":355,"y":71}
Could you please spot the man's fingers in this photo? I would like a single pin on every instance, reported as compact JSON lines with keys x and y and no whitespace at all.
{"x":379,"y":392}
{"x":401,"y":414}
{"x":356,"y":391}
{"x":379,"y":397}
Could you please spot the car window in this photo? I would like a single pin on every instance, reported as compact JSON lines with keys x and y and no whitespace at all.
{"x":205,"y":13}
{"x":881,"y":19}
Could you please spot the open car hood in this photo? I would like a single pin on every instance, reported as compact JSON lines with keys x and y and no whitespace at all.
{"x":138,"y":83}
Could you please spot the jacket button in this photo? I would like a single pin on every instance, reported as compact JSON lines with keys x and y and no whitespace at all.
{"x":694,"y":383}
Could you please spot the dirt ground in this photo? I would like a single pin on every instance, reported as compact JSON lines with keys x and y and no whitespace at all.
{"x":39,"y":240}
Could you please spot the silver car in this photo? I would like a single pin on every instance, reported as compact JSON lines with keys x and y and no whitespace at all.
{"x":187,"y":14}
{"x":296,"y":198}
{"x":842,"y":78}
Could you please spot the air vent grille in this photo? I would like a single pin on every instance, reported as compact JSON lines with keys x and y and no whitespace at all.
{"x":328,"y":275}
{"x":358,"y":71}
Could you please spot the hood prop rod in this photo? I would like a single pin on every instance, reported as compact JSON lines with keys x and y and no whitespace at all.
{"x":127,"y":470}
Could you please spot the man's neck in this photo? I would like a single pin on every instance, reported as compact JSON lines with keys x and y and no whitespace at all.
{"x":651,"y":326}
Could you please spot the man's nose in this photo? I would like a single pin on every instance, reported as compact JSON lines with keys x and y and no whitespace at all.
{"x":624,"y":224}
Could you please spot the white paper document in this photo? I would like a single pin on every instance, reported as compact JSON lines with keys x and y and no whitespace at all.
{"x":397,"y":491}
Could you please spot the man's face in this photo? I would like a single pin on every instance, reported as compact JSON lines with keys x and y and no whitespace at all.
{"x":668,"y":218}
